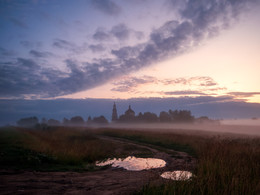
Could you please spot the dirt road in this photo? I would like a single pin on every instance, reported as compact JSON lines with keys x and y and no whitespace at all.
{"x":108,"y":181}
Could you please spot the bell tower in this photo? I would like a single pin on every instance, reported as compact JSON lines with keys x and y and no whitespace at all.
{"x":114,"y":113}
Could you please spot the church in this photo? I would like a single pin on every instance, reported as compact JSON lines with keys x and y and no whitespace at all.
{"x":129,"y":115}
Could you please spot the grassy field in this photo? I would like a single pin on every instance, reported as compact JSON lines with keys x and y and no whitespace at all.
{"x":158,"y":140}
{"x":57,"y":149}
{"x":225,"y":165}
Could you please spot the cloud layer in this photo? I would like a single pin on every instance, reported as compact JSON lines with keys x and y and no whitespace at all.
{"x":130,"y":84}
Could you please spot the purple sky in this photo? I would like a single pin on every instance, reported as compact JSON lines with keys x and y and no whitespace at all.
{"x":112,"y":49}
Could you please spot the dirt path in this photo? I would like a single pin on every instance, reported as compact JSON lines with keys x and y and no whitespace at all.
{"x":175,"y":160}
{"x":109,"y":181}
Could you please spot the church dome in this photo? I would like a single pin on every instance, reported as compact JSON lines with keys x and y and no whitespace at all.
{"x":129,"y":112}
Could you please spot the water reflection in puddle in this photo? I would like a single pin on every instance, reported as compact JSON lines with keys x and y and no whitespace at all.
{"x":134,"y":164}
{"x":177,"y":175}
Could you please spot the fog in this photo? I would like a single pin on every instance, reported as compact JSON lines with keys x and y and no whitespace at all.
{"x":226,"y":127}
{"x":247,"y":122}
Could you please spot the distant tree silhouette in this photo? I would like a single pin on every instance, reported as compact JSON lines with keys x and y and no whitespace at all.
{"x":44,"y":121}
{"x":53,"y":122}
{"x":139,"y":117}
{"x":164,"y":117}
{"x":77,"y":120}
{"x":127,"y":118}
{"x":28,"y":122}
{"x":43,"y":125}
{"x":181,"y":116}
{"x":100,"y":120}
{"x":205,"y":119}
{"x":65,"y":121}
{"x":147,"y":117}
{"x":89,"y":121}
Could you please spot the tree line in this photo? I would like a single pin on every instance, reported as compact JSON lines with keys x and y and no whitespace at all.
{"x":176,"y":116}
{"x":73,"y":121}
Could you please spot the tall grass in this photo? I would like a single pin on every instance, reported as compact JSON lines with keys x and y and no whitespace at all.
{"x":57,"y":148}
{"x":68,"y":145}
{"x":178,"y":142}
{"x":225,"y":165}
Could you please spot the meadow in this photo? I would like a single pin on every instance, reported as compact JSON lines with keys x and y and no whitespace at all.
{"x":225,"y":165}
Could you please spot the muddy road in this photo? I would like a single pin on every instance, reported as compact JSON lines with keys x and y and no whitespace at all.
{"x":107,"y":181}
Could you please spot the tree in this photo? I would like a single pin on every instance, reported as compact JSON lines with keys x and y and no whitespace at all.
{"x":164,"y":117}
{"x":77,"y":120}
{"x":149,"y":117}
{"x":89,"y":121}
{"x":28,"y":122}
{"x":127,"y":118}
{"x":44,"y":120}
{"x":65,"y":121}
{"x":181,"y":116}
{"x":139,"y":117}
{"x":53,"y":122}
{"x":100,"y":120}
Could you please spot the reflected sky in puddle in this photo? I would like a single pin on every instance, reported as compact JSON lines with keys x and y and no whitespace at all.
{"x":177,"y":175}
{"x":134,"y":164}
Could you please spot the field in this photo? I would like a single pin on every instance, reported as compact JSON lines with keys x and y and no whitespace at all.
{"x":64,"y":159}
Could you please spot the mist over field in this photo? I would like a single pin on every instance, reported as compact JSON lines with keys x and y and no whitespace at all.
{"x":222,"y":129}
{"x":215,"y":108}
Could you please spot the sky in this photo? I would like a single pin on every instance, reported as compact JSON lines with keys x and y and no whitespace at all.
{"x":123,"y":49}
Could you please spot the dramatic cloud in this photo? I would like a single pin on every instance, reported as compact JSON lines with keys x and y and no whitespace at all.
{"x":30,"y":44}
{"x":101,"y":35}
{"x":126,"y":52}
{"x":107,"y":7}
{"x":120,"y":31}
{"x":196,"y":21}
{"x":184,"y":93}
{"x":244,"y":94}
{"x":206,"y":81}
{"x":63,"y":44}
{"x":131,"y":84}
{"x":27,"y":79}
{"x":69,"y":46}
{"x":39,"y":54}
{"x":97,"y":48}
{"x":200,"y":81}
{"x":6,"y":53}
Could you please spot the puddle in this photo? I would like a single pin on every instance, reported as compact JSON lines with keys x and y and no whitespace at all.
{"x":134,"y":164}
{"x":177,"y":175}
